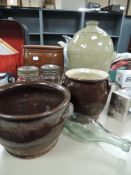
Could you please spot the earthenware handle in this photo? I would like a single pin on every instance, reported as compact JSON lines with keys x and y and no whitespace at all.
{"x":109,"y":83}
{"x":69,"y":111}
{"x":66,"y":81}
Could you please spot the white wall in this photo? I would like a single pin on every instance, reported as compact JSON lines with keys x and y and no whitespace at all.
{"x":70,"y":4}
{"x":58,"y":4}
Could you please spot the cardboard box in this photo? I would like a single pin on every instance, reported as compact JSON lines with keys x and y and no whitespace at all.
{"x":118,"y":2}
{"x":123,"y":78}
{"x":13,"y":3}
{"x":129,"y":9}
{"x":120,"y":104}
{"x":3,"y":3}
{"x":50,"y":4}
{"x":103,"y":3}
{"x":32,"y":3}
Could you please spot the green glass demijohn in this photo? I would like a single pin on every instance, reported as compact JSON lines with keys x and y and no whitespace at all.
{"x":91,"y":47}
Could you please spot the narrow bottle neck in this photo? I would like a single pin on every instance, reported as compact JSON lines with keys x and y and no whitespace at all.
{"x":92,"y":23}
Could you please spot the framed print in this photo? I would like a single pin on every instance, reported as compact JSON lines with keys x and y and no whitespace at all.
{"x":128,"y":12}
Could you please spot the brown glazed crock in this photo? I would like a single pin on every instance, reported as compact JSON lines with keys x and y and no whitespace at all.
{"x":88,"y":96}
{"x":32,"y":115}
{"x":37,"y":55}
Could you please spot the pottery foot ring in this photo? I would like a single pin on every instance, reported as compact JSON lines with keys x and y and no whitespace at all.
{"x":32,"y":152}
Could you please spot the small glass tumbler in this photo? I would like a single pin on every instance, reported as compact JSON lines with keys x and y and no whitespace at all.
{"x":50,"y":72}
{"x":28,"y":73}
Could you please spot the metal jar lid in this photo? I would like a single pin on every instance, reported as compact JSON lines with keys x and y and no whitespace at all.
{"x":50,"y":67}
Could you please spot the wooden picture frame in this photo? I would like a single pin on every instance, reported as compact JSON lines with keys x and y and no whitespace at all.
{"x":3,"y":3}
{"x":128,"y":11}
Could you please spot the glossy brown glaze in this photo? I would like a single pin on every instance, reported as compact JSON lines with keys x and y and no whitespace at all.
{"x":37,"y":147}
{"x":44,"y":55}
{"x":88,"y":96}
{"x":30,"y":114}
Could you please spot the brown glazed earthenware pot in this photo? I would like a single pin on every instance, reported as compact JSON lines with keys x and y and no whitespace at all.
{"x":31,"y":117}
{"x":89,"y":90}
{"x":40,"y":55}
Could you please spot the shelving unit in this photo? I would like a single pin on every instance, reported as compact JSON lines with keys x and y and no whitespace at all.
{"x":48,"y":26}
{"x":57,"y":23}
{"x":129,"y":46}
{"x":29,"y":17}
{"x":110,"y":22}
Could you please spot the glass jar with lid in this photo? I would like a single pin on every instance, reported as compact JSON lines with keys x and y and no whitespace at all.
{"x":50,"y":72}
{"x":28,"y":73}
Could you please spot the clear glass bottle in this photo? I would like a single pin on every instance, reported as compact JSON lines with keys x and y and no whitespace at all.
{"x":93,"y":131}
{"x":28,"y":73}
{"x":50,"y":72}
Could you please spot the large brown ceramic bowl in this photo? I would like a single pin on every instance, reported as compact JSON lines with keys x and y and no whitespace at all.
{"x":89,"y":90}
{"x":31,"y":117}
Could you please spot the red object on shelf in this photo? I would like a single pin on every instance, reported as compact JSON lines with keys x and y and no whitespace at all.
{"x":13,"y":33}
{"x":9,"y":63}
{"x":119,"y":64}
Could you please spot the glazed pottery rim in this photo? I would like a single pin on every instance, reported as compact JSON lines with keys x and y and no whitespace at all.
{"x":47,"y":47}
{"x":43,"y":115}
{"x":70,"y":71}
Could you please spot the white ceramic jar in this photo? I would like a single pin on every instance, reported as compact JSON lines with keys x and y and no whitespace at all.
{"x":91,"y":47}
